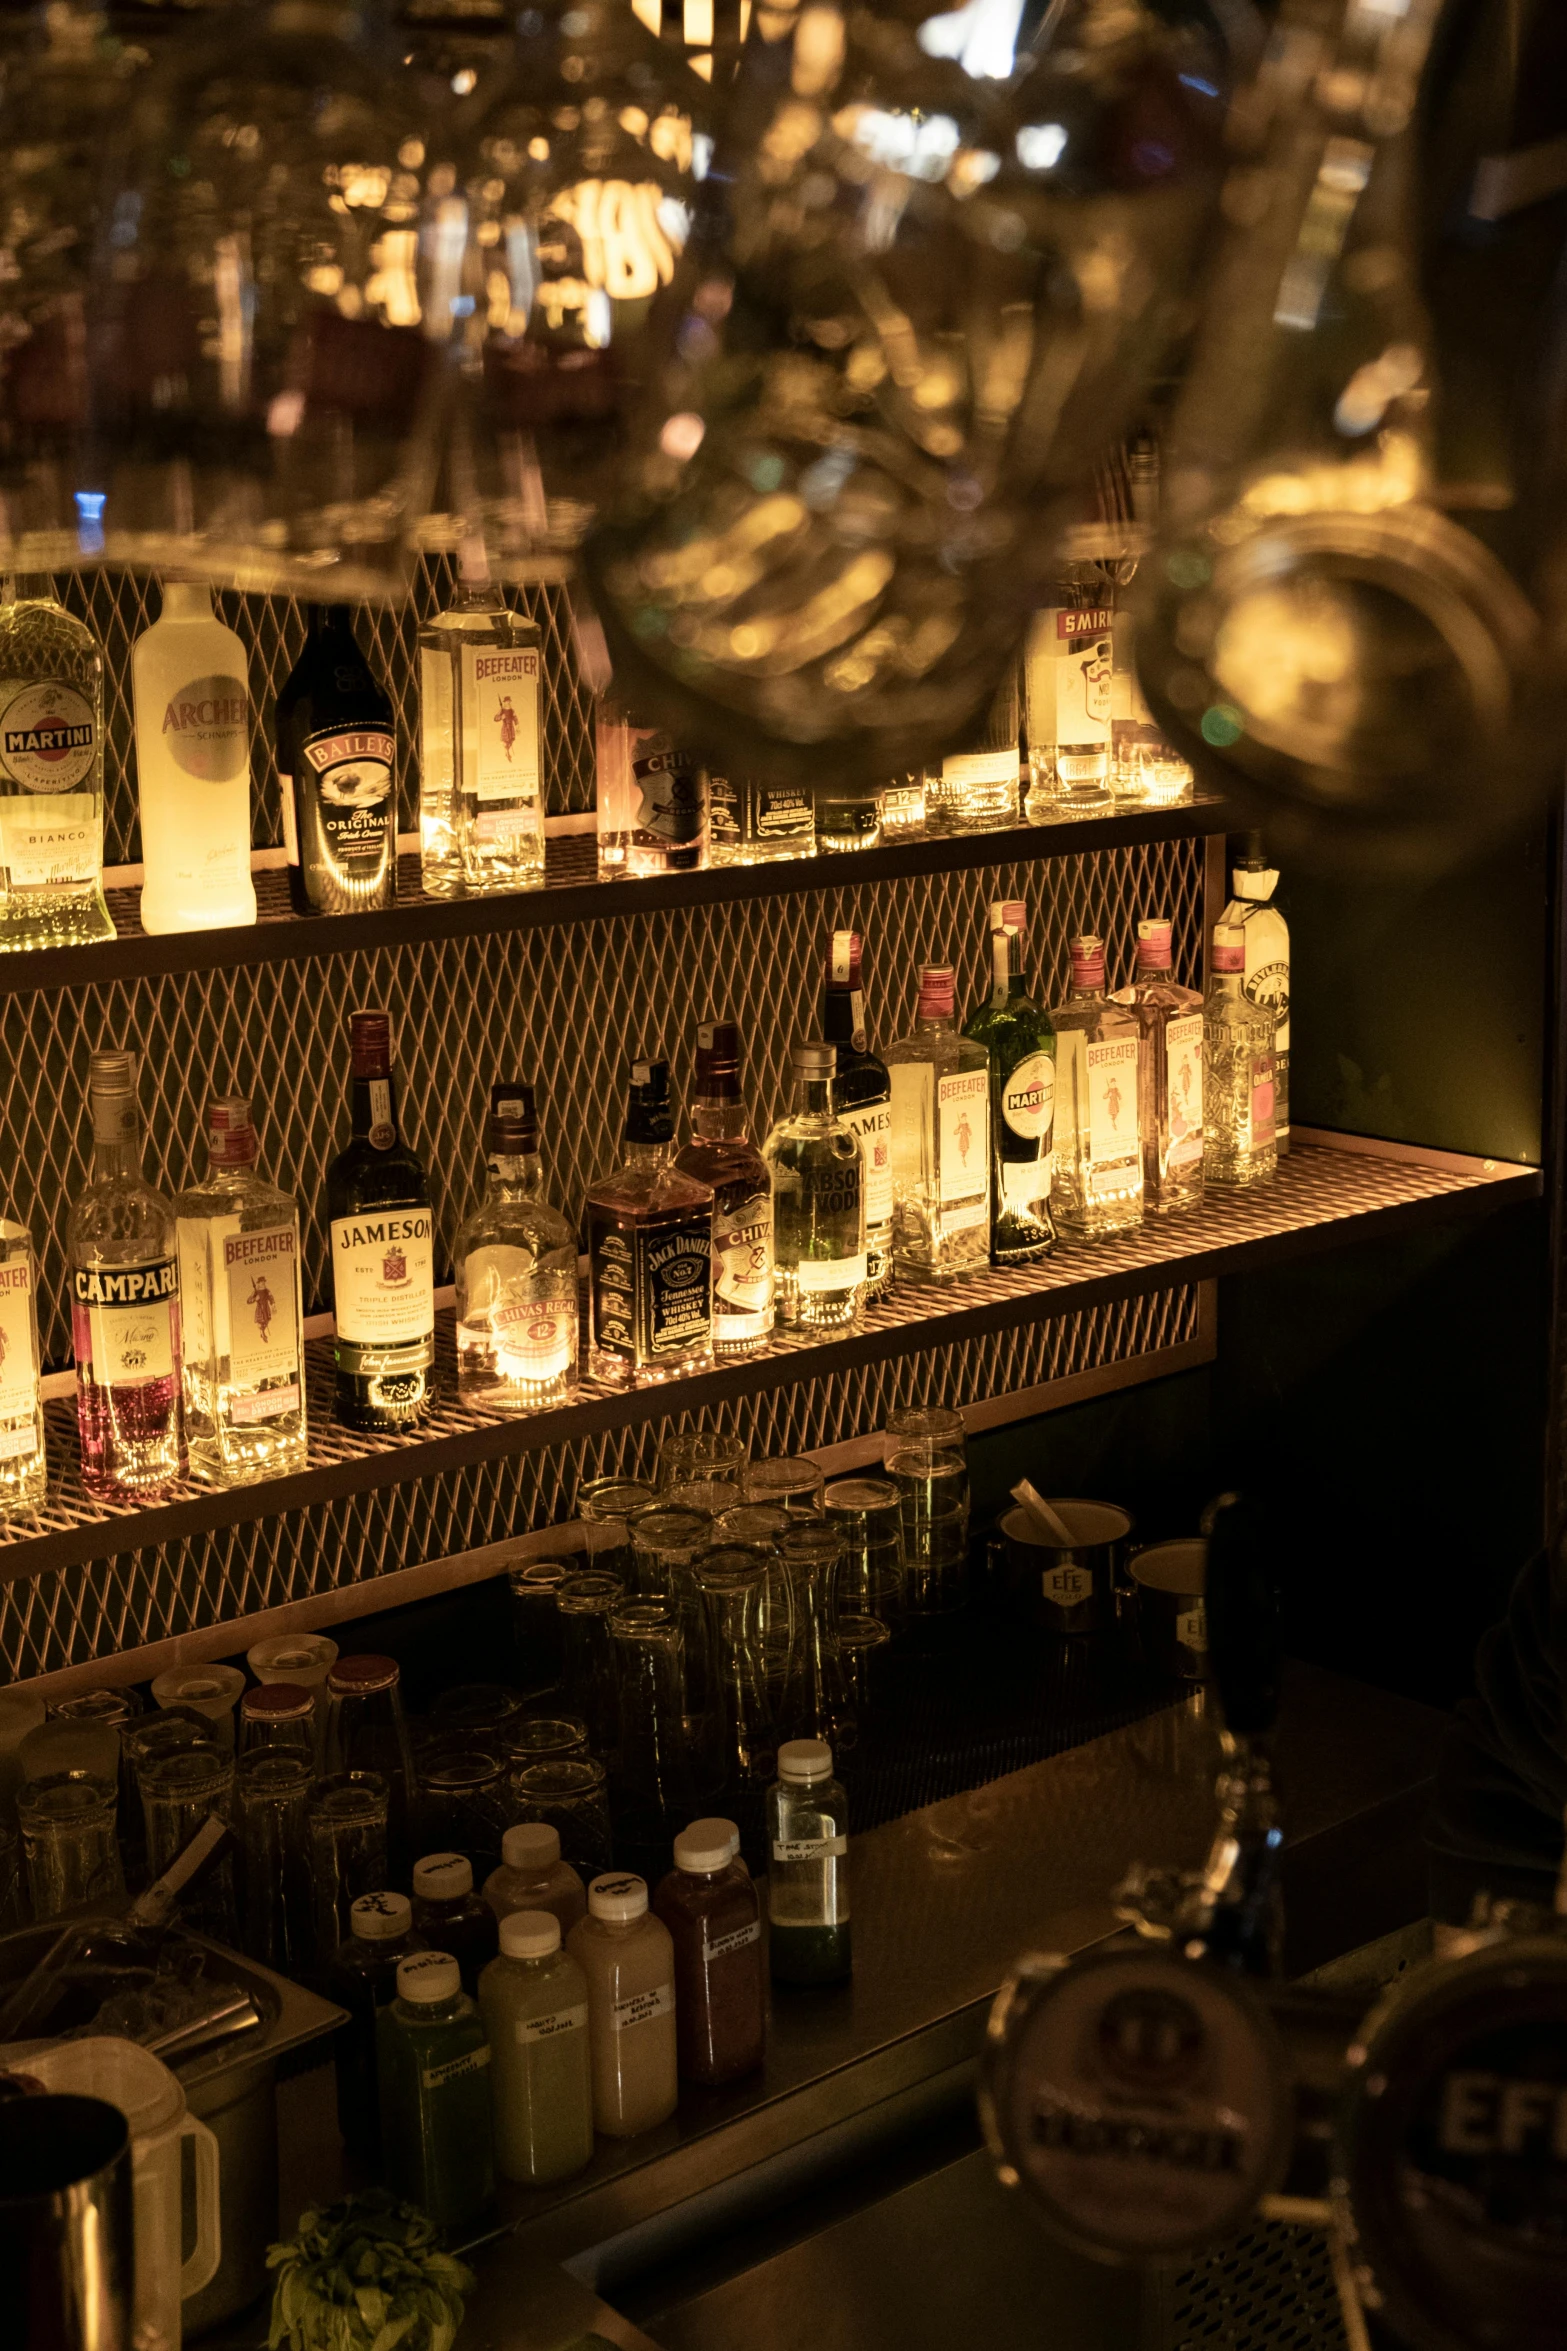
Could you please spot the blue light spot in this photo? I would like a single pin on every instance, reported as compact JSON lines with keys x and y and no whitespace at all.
{"x":89,"y":520}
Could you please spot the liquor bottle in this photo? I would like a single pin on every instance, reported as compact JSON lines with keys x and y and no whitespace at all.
{"x":1238,"y":1094}
{"x":903,"y":809}
{"x":862,"y":1097}
{"x":476,"y":610}
{"x":652,"y":798}
{"x":125,"y":1304}
{"x":818,"y":1178}
{"x":336,"y":753}
{"x":1144,"y":768}
{"x":241,"y":1298}
{"x":1098,"y":1185}
{"x":1016,"y":1032}
{"x":940,"y":1140}
{"x":499,"y":772}
{"x":190,"y":684}
{"x":650,"y":1250}
{"x":51,"y":773}
{"x":1169,"y":1074}
{"x":516,"y":1272}
{"x":383,"y":1249}
{"x":1068,"y":668}
{"x":1266,"y":979}
{"x":975,"y":790}
{"x":752,"y":823}
{"x":848,"y":816}
{"x":23,"y":1468}
{"x":720,"y":1155}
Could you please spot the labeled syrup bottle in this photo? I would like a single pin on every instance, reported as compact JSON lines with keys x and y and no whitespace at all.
{"x":383,"y":1249}
{"x":336,"y":753}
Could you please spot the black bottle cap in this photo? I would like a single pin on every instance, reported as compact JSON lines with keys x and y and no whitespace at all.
{"x":649,"y":1117}
{"x":1253,"y":857}
{"x":512,"y":1126}
{"x":717,"y":1054}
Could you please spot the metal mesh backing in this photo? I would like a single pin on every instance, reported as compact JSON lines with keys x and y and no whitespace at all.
{"x":563,"y":1006}
{"x":118,"y":605}
{"x":98,"y":1608}
{"x":1271,"y":2290}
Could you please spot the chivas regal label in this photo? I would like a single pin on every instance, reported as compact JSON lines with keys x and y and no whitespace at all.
{"x":743,"y":1266}
{"x":672,"y":809}
{"x":383,"y":1278}
{"x":535,"y":1338}
{"x":126,"y":1321}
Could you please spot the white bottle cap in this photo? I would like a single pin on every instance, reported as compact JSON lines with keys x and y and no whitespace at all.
{"x":443,"y":1877}
{"x":428,"y":1976}
{"x":381,"y":1918}
{"x":532,"y":1845}
{"x":803,"y":1760}
{"x":618,"y":1899}
{"x":706,"y":1845}
{"x":529,"y":1934}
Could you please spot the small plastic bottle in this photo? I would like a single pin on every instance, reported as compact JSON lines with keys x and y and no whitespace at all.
{"x":808,"y":1867}
{"x":437,"y":2136}
{"x":450,"y":1916}
{"x":629,"y":1962}
{"x":534,"y":2002}
{"x":532,"y":1876}
{"x":715,"y":1923}
{"x":364,"y":1979}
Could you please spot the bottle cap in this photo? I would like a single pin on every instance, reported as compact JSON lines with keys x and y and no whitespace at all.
{"x":1088,"y":961}
{"x":443,"y":1877}
{"x":938,"y":992}
{"x":513,"y":1125}
{"x":231,"y":1132}
{"x":361,"y":1676}
{"x":813,"y":1059}
{"x":843,"y":960}
{"x":802,"y":1760}
{"x":532,"y":1845}
{"x":370,"y":1044}
{"x":706,"y":1845}
{"x":380,"y":1918}
{"x":1253,"y":854}
{"x":112,"y":1072}
{"x":1153,"y":944}
{"x":618,"y":1899}
{"x":649,"y":1118}
{"x":529,"y":1934}
{"x":277,"y":1702}
{"x":428,"y":1976}
{"x":1008,"y":914}
{"x":111,"y":1090}
{"x":719,"y":1040}
{"x":1229,"y":947}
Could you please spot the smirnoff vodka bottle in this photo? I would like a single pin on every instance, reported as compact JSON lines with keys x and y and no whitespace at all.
{"x":1067,"y":676}
{"x":1098,"y":1182}
{"x":125,"y":1304}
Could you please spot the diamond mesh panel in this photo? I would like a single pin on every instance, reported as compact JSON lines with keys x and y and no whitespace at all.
{"x":1271,"y":2290}
{"x":563,"y":1005}
{"x":118,"y":605}
{"x":74,"y":1614}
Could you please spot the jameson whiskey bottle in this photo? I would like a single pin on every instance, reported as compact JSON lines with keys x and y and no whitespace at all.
{"x":650,"y":1250}
{"x":1017,"y":1034}
{"x":51,"y":773}
{"x":335,"y":760}
{"x":383,"y":1249}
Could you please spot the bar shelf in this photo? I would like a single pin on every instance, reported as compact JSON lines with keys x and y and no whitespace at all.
{"x":1331,"y":1191}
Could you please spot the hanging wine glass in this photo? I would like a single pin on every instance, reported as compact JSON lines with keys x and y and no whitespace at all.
{"x":264,"y":351}
{"x":577,"y":172}
{"x":943,"y":282}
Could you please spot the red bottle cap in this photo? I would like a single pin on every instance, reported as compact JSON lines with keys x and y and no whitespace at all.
{"x":1154,"y":951}
{"x":370,"y":1044}
{"x":938,"y":992}
{"x":1229,"y":948}
{"x":1088,"y":962}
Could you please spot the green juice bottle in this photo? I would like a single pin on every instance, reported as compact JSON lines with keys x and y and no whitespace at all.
{"x":434,"y":2069}
{"x":808,"y":1867}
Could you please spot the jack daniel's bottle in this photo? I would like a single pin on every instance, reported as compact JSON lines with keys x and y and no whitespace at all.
{"x":650,"y":1249}
{"x":383,"y":1249}
{"x":336,"y":752}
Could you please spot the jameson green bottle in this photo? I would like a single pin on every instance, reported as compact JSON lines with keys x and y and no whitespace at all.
{"x":1017,"y":1034}
{"x":383,"y":1249}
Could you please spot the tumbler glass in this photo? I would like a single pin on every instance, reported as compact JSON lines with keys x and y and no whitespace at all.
{"x":302,"y":1658}
{"x":535,"y":1623}
{"x":606,"y":1504}
{"x":815,"y":1703}
{"x":171,"y":1732}
{"x":741,"y":1745}
{"x":655,"y":1785}
{"x":68,"y":1840}
{"x":366,"y":1732}
{"x":665,"y":1540}
{"x":278,"y":1718}
{"x":346,"y":1825}
{"x":545,"y":1738}
{"x":587,"y":1674}
{"x":701,"y":1456}
{"x":484,"y":1710}
{"x":569,"y":1794}
{"x":272,"y":1795}
{"x":758,"y":1526}
{"x":786,"y":1482}
{"x":466,"y":1804}
{"x":926,"y":1457}
{"x":211,"y":1690}
{"x":178,"y":1791}
{"x":864,"y":1645}
{"x":868,"y":1514}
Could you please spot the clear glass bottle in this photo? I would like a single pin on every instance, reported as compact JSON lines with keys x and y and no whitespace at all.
{"x":1016,"y":1033}
{"x":1238,"y":1043}
{"x":515,"y":1263}
{"x":720,"y":1155}
{"x":237,"y":1239}
{"x":862,"y":1097}
{"x":1068,"y":668}
{"x":629,"y":1961}
{"x":532,"y":1876}
{"x":650,"y":1250}
{"x":363,"y":1980}
{"x":903,"y":809}
{"x":125,"y":1304}
{"x":450,"y":1916}
{"x":712,"y":1910}
{"x":651,"y":798}
{"x":1254,"y":885}
{"x":752,"y":823}
{"x":51,"y":772}
{"x":382,"y":1239}
{"x":1098,"y":1183}
{"x":1169,"y":1074}
{"x":533,"y":1998}
{"x":433,"y":2078}
{"x":940,"y":1140}
{"x":477,"y":611}
{"x":24,"y":1471}
{"x":977,"y":790}
{"x":818,"y":1177}
{"x":808,"y":1868}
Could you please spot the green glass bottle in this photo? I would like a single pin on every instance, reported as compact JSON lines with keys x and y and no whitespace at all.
{"x":1017,"y":1034}
{"x":433,"y":2064}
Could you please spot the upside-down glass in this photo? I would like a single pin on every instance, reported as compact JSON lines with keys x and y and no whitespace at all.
{"x":741,"y":1739}
{"x":535,"y":1623}
{"x":346,"y":1828}
{"x":758,"y":1525}
{"x":815,"y":1703}
{"x":664,"y":1540}
{"x":656,"y":1787}
{"x":366,"y":1732}
{"x":864,"y":1645}
{"x":868,"y":1513}
{"x":709,"y":1456}
{"x":587,"y":1670}
{"x":788,"y":1482}
{"x":68,"y":1841}
{"x":570,"y":1796}
{"x":465,"y":1803}
{"x":485,"y":1709}
{"x":178,"y":1792}
{"x":926,"y":1456}
{"x":303,"y":1658}
{"x":608,"y":1504}
{"x":272,"y":1796}
{"x":545,"y":1738}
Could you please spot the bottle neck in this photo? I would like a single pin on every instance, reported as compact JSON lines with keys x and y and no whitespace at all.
{"x":843,"y":1017}
{"x":325,"y":621}
{"x":113,"y":1162}
{"x":812,"y":1098}
{"x":1224,"y":983}
{"x":934,"y":1024}
{"x":646,"y":1155}
{"x":719,"y":1118}
{"x":375,"y":1110}
{"x":187,"y":600}
{"x":513,"y":1175}
{"x":1006,"y":963}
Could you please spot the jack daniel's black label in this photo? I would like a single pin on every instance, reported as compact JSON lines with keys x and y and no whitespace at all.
{"x":652,"y":1289}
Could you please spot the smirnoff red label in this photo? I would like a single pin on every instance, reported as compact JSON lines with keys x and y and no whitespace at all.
{"x":383,"y":1277}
